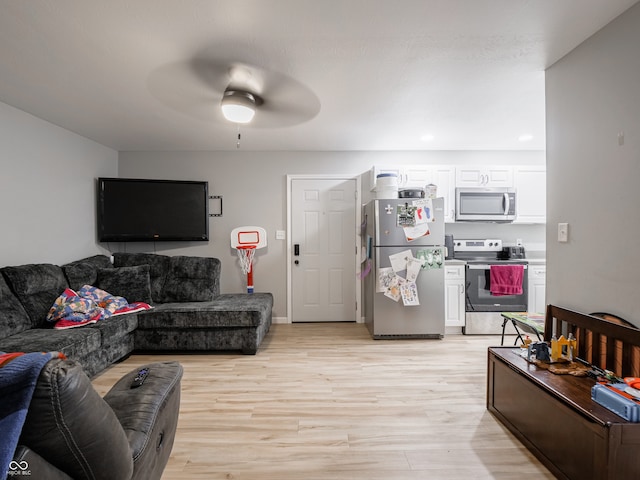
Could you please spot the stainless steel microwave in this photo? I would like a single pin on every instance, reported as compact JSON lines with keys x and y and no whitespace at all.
{"x":485,"y":204}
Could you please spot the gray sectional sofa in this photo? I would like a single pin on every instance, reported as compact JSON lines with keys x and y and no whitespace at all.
{"x":189,"y":312}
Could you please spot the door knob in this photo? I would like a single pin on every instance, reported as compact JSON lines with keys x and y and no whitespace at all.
{"x":297,"y":262}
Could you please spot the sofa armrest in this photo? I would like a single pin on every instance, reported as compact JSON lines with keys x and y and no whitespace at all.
{"x":32,"y":465}
{"x":149,"y":415}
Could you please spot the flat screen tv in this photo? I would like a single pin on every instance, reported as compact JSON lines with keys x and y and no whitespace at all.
{"x":138,"y":210}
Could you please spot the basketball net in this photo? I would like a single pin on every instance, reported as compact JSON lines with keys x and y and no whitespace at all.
{"x":245,"y":254}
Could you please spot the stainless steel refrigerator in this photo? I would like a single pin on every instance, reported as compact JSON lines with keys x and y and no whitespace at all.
{"x":389,"y":234}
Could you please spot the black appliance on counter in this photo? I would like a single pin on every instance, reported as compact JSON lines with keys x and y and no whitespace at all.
{"x":509,"y":253}
{"x":448,"y":243}
{"x":482,"y":308}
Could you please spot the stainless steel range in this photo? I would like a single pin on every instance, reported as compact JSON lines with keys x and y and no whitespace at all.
{"x":482,"y":306}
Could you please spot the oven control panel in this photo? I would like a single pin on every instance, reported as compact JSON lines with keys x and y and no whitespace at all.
{"x":478,"y":245}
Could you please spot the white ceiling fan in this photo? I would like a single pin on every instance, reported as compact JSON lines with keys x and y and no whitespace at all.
{"x":263,"y":98}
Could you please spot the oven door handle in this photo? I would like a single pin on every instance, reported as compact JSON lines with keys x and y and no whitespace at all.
{"x":487,"y":267}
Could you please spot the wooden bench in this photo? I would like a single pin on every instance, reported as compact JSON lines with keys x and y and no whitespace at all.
{"x":554,"y":415}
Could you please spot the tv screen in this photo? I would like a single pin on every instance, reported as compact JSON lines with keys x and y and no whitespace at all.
{"x":131,"y":210}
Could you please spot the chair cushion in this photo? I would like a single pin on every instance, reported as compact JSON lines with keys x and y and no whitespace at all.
{"x":73,"y":428}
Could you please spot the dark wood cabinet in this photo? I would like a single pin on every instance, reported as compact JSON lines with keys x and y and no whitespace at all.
{"x":555,"y":418}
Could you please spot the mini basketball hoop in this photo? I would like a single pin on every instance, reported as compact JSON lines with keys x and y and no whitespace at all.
{"x":245,"y":254}
{"x":246,"y":240}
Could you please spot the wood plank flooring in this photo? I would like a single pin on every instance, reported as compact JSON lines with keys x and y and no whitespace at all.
{"x":325,"y":401}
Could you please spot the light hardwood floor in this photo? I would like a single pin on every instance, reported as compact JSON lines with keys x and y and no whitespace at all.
{"x":325,"y":401}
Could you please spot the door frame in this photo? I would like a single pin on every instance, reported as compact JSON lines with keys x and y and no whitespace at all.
{"x":357,"y":204}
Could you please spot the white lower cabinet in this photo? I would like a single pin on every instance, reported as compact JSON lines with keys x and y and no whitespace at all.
{"x":537,"y":277}
{"x":454,"y":295}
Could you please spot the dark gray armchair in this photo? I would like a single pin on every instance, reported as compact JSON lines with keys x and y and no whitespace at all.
{"x":72,"y":433}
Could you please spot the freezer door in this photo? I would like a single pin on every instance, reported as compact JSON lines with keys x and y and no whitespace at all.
{"x":389,"y":231}
{"x":390,"y":319}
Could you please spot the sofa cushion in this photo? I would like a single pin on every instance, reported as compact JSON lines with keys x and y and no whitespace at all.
{"x":74,"y":343}
{"x":115,"y":327}
{"x":85,"y":271}
{"x":158,"y":268}
{"x":13,"y":316}
{"x":227,"y":310}
{"x":191,"y":279}
{"x":131,"y":283}
{"x":73,"y":428}
{"x":37,"y":286}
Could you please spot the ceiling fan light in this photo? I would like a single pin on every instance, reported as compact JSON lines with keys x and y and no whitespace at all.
{"x":238,"y":106}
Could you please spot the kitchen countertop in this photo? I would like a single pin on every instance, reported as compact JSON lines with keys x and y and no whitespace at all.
{"x":455,"y":261}
{"x":531,"y":261}
{"x":536,"y":261}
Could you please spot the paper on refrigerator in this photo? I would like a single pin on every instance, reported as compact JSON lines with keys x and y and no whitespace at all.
{"x":422,"y":213}
{"x":409,"y":293}
{"x":394,"y":285}
{"x":399,"y":260}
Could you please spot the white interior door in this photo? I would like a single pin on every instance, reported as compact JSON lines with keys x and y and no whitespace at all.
{"x":323,"y":243}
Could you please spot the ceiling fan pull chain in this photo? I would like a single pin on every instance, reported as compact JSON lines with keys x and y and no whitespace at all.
{"x":238,"y":142}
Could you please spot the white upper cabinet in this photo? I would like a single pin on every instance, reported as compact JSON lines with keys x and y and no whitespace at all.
{"x":443,"y":176}
{"x":413,"y":176}
{"x":531,"y":191}
{"x":418,"y":176}
{"x":492,"y":176}
{"x":529,"y":181}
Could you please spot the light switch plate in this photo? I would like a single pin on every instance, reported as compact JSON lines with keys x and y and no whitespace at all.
{"x":563,"y":232}
{"x":280,"y":234}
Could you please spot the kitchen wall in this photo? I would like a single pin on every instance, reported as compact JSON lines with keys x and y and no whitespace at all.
{"x":592,"y":98}
{"x":253,"y":186}
{"x":47,"y":193}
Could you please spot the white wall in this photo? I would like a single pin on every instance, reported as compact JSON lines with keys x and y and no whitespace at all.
{"x":47,"y":192}
{"x":593,"y":183}
{"x":253,"y":186}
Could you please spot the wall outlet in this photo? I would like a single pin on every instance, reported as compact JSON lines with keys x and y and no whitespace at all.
{"x":563,"y":232}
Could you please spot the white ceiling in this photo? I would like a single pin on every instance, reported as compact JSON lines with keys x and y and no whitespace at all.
{"x":380,"y":74}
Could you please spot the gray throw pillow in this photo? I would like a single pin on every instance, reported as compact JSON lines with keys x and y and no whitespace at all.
{"x":131,"y":283}
{"x":85,"y":271}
